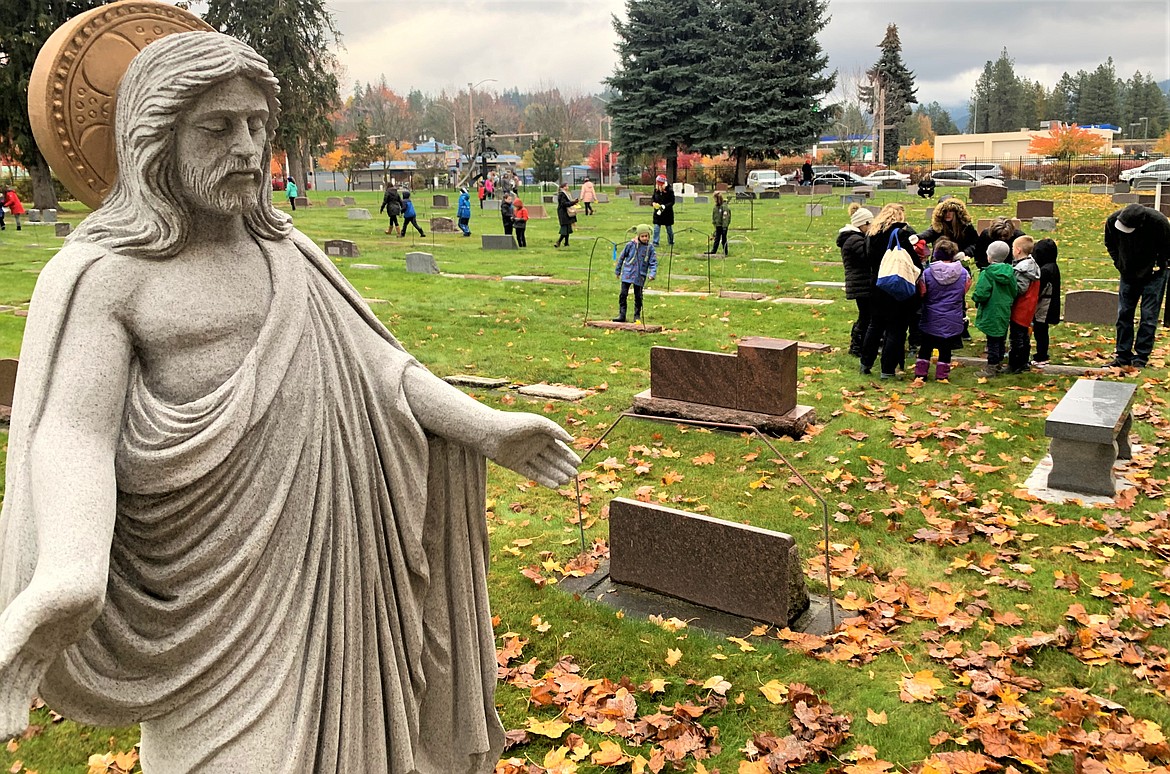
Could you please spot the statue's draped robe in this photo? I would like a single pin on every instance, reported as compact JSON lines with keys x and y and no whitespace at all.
{"x":297,"y":577}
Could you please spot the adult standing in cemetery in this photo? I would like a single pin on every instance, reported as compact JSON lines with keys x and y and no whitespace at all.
{"x":636,"y":266}
{"x":806,"y":172}
{"x":506,"y":212}
{"x":851,"y":243}
{"x":1001,"y":230}
{"x":290,"y":190}
{"x":269,"y":547}
{"x":588,"y":196}
{"x":392,"y":206}
{"x":720,"y":221}
{"x":11,"y":202}
{"x":463,"y":211}
{"x":565,"y":218}
{"x":662,"y":201}
{"x":1138,"y":240}
{"x":951,"y":220}
{"x":890,"y":319}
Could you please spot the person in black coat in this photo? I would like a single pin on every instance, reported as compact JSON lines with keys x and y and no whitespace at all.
{"x":851,"y":242}
{"x":1138,"y":241}
{"x":1048,"y":302}
{"x":926,"y":187}
{"x":506,"y":211}
{"x":565,"y":218}
{"x":1001,"y":230}
{"x":392,"y":206}
{"x":663,"y":201}
{"x":951,"y":220}
{"x":890,"y":318}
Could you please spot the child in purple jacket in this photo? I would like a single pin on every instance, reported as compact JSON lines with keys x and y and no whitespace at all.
{"x":943,"y":287}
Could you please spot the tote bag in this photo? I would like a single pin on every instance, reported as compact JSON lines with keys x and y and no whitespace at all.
{"x":897,"y":274}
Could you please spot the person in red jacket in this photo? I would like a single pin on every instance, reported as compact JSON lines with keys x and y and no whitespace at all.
{"x":11,"y":202}
{"x":1027,"y":273}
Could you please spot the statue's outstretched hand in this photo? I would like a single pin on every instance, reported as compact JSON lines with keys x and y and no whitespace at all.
{"x":533,"y":446}
{"x":22,"y":663}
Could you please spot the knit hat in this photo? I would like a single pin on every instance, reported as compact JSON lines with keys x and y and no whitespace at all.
{"x":1044,"y":251}
{"x":641,"y":229}
{"x":861,"y":216}
{"x":997,"y":252}
{"x":660,"y":179}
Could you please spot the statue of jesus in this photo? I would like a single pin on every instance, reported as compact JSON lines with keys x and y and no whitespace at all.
{"x":237,"y":511}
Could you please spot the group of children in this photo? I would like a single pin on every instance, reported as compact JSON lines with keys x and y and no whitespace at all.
{"x":1017,"y":296}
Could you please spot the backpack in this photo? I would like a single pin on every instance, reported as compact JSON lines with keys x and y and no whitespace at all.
{"x":897,"y":274}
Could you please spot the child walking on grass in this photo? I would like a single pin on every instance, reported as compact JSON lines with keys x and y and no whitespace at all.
{"x":943,"y":287}
{"x":636,"y":266}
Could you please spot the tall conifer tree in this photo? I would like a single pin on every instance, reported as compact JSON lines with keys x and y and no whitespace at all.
{"x":897,"y":81}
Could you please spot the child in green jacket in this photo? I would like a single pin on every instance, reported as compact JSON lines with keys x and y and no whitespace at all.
{"x":721,"y":220}
{"x":993,"y":297}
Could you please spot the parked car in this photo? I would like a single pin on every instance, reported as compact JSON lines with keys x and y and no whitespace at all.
{"x":839,"y":178}
{"x":962,"y":177}
{"x":982,"y":169}
{"x":820,"y":169}
{"x":881,"y":175}
{"x":765,"y":178}
{"x":1147,"y":174}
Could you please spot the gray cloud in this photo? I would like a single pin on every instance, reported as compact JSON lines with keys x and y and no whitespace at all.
{"x":444,"y":44}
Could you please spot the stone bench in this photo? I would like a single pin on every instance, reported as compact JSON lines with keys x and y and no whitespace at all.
{"x":703,"y":560}
{"x":1089,"y":429}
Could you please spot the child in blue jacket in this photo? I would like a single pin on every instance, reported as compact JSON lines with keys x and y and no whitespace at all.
{"x":464,"y":211}
{"x":409,"y":216}
{"x":635,"y":267}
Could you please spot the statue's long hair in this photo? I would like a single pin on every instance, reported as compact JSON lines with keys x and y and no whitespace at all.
{"x":144,"y":214}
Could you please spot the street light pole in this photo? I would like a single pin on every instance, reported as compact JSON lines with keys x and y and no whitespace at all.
{"x":1145,"y":127}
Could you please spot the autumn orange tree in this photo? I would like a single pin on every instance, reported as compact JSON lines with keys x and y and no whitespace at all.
{"x":1065,"y":141}
{"x":918,"y":151}
{"x":1163,"y":144}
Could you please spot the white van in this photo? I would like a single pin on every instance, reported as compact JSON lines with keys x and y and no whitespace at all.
{"x":765,"y":178}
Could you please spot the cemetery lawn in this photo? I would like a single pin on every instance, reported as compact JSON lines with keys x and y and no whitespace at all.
{"x":985,"y":630}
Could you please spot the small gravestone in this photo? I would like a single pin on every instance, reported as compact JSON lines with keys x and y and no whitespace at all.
{"x":787,"y":188}
{"x":1121,"y":187}
{"x":602,"y":198}
{"x":619,"y":190}
{"x":988,"y":194}
{"x":817,"y":190}
{"x":1097,"y":307}
{"x":33,"y":216}
{"x":349,"y":201}
{"x":814,"y":210}
{"x":1031,"y":185}
{"x":537,"y":212}
{"x":552,"y":391}
{"x":548,"y":199}
{"x":333,"y":201}
{"x":491,"y":204}
{"x":342,"y":248}
{"x":1125,"y":198}
{"x":1026,"y":209}
{"x":863,"y":190}
{"x":440,"y":201}
{"x":721,"y":186}
{"x":1015,"y":184}
{"x":303,"y":201}
{"x":7,"y":381}
{"x":771,"y":194}
{"x":848,"y":199}
{"x":421,"y":263}
{"x":892,"y":184}
{"x":1100,"y":189}
{"x":683,"y":189}
{"x":442,"y":225}
{"x":1043,"y":224}
{"x":357,"y":213}
{"x":760,"y":377}
{"x":645,"y":201}
{"x":702,"y":200}
{"x":62,"y":229}
{"x":497,"y":242}
{"x":48,"y":216}
{"x":700,"y":559}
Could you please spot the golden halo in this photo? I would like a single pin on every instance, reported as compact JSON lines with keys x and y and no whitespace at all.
{"x":71,"y":91}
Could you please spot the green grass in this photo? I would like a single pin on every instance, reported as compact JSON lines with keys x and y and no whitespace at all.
{"x":886,"y":456}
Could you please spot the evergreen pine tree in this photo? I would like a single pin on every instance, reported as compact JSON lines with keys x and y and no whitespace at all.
{"x":768,"y":87}
{"x":892,"y":77}
{"x":297,"y":38}
{"x":661,"y":89}
{"x":1100,"y":99}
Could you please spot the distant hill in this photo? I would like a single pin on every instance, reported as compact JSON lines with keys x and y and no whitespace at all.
{"x":1164,"y":86}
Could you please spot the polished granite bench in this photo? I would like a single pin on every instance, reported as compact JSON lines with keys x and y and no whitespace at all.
{"x":1089,"y":429}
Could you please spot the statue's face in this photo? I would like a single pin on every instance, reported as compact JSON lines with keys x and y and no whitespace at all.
{"x":220,"y":146}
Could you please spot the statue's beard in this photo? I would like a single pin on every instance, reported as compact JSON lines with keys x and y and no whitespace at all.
{"x":211,"y":188}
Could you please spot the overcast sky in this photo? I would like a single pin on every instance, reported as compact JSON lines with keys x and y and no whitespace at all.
{"x":445,"y":44}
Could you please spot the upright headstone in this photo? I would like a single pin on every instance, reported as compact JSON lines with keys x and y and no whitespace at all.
{"x":1121,"y":187}
{"x":819,"y":190}
{"x":537,"y":212}
{"x":1026,"y":209}
{"x":702,"y":200}
{"x":1125,"y":198}
{"x":48,"y":216}
{"x":1043,"y":224}
{"x":814,"y":210}
{"x":34,"y":216}
{"x":602,"y":198}
{"x":349,"y":201}
{"x":421,"y":263}
{"x":497,"y":242}
{"x":303,"y":201}
{"x":1015,"y":184}
{"x":988,"y":194}
{"x":1090,"y":306}
{"x":440,"y":201}
{"x":342,"y":248}
{"x":7,"y":381}
{"x":442,"y":225}
{"x":333,"y":201}
{"x":769,"y":194}
{"x":357,"y":213}
{"x":62,"y":229}
{"x":547,"y":199}
{"x":721,"y":187}
{"x":491,"y":204}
